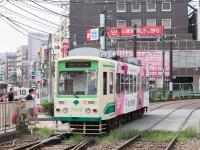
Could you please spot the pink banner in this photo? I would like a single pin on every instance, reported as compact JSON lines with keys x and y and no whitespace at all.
{"x":151,"y":59}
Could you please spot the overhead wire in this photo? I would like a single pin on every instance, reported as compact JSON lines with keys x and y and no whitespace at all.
{"x":23,"y":16}
{"x":34,"y":14}
{"x":19,"y":30}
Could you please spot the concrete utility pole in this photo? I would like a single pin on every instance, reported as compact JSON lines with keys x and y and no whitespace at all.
{"x":103,"y":30}
{"x":171,"y":66}
{"x":163,"y":62}
{"x":135,"y":42}
{"x":50,"y":97}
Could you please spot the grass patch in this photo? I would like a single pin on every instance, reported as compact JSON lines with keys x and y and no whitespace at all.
{"x":188,"y":133}
{"x":43,"y":132}
{"x":159,"y":136}
{"x":76,"y":138}
{"x":116,"y":135}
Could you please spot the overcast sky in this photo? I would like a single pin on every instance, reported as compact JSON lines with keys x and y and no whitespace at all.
{"x":10,"y":39}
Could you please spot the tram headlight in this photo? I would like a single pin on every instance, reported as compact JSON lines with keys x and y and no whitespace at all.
{"x":57,"y":109}
{"x":88,"y":110}
{"x":65,"y":110}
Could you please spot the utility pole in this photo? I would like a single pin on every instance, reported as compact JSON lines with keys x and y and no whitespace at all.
{"x":50,"y":97}
{"x":163,"y":61}
{"x":171,"y":65}
{"x":103,"y":30}
{"x":135,"y":42}
{"x":7,"y":66}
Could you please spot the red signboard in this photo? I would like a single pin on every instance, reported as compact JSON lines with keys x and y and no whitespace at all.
{"x":147,"y":31}
{"x":65,"y":49}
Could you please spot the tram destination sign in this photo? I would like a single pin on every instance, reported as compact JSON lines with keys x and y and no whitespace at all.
{"x":78,"y":64}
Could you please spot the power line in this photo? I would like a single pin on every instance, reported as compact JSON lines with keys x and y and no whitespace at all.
{"x":48,"y":9}
{"x":19,"y":30}
{"x":33,"y":14}
{"x":22,"y":16}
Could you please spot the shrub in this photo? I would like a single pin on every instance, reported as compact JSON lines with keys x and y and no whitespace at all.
{"x":48,"y":108}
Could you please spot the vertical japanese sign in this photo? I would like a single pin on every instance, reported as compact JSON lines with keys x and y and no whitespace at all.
{"x":65,"y":49}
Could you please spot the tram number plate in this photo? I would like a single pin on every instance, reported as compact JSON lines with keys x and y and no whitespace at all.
{"x":76,"y":109}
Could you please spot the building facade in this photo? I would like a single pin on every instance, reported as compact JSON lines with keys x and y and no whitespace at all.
{"x":22,"y":66}
{"x":171,"y":15}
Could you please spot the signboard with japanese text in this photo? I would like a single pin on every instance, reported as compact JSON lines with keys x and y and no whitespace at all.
{"x":65,"y":49}
{"x":92,"y":34}
{"x":141,"y":31}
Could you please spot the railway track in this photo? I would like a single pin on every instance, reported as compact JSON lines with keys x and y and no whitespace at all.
{"x":57,"y":142}
{"x":126,"y":144}
{"x":174,"y":140}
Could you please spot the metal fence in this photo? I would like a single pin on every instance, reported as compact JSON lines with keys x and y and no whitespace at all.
{"x":7,"y":110}
{"x":180,"y":91}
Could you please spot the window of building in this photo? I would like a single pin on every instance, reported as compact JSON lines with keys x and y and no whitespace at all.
{"x":137,"y":22}
{"x":136,"y":7}
{"x":166,"y":23}
{"x":151,"y":22}
{"x":111,"y":82}
{"x":166,"y":6}
{"x":105,"y":83}
{"x":121,"y":7}
{"x":151,"y":6}
{"x":121,"y":23}
{"x":118,"y":86}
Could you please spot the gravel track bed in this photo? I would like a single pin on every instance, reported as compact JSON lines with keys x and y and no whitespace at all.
{"x":193,"y":144}
{"x":15,"y":143}
{"x":60,"y":146}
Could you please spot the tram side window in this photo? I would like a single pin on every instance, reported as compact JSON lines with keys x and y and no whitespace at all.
{"x":147,"y":83}
{"x":143,"y":82}
{"x":127,"y":84}
{"x":135,"y":83}
{"x":111,"y":82}
{"x":122,"y":83}
{"x":131,"y":83}
{"x":118,"y":86}
{"x":105,"y":83}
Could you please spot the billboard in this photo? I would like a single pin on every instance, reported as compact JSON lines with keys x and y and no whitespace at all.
{"x":141,"y":31}
{"x":151,"y":59}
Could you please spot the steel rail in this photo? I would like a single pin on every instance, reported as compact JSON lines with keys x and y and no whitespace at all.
{"x":38,"y":144}
{"x":174,"y":140}
{"x":130,"y":141}
{"x":85,"y":143}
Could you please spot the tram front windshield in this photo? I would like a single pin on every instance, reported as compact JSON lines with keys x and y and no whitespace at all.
{"x":77,"y":83}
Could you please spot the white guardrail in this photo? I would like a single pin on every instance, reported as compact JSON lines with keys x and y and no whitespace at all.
{"x":7,"y":110}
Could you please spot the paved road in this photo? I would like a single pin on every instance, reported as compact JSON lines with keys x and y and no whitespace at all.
{"x":172,"y":122}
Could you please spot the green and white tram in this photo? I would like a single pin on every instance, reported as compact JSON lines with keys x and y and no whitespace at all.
{"x":95,"y":94}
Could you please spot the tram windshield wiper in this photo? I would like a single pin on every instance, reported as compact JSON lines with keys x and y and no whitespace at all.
{"x":76,"y":96}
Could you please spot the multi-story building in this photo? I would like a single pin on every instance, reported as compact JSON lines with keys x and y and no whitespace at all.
{"x":22,"y":66}
{"x":10,"y":67}
{"x":35,"y":40}
{"x":171,"y":15}
{"x":56,"y":46}
{"x":168,"y":13}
